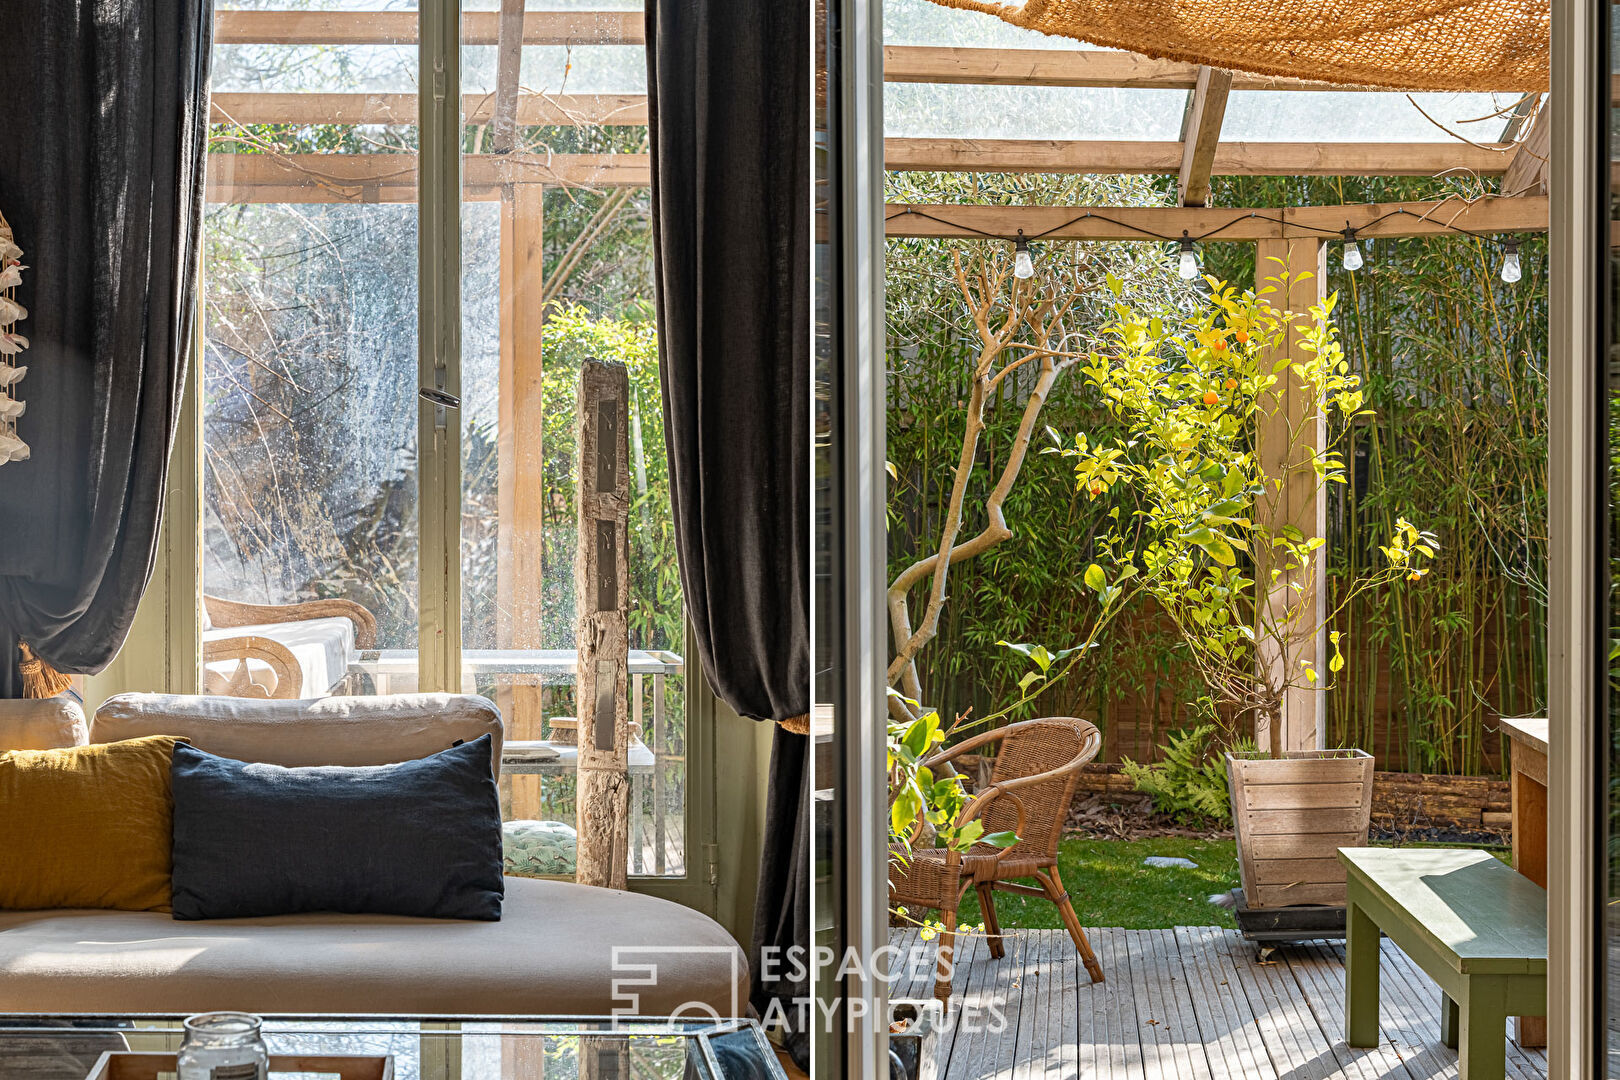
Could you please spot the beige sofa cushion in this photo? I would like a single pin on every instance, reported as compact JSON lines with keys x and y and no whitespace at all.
{"x":41,"y":724}
{"x":551,"y":953}
{"x":328,"y":731}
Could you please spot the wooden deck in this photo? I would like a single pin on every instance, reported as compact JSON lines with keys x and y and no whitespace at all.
{"x":1190,"y":1003}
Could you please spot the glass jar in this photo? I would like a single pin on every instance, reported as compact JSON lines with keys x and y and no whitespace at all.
{"x":223,"y":1046}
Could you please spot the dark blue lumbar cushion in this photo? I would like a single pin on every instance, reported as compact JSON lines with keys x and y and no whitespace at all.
{"x":417,"y":838}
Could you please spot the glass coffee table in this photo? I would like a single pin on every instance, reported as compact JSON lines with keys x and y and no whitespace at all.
{"x":421,"y":1048}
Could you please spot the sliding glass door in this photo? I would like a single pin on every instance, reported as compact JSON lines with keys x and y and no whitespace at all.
{"x":400,"y":289}
{"x":556,"y":267}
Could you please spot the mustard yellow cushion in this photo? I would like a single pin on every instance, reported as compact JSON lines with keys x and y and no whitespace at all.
{"x":87,"y":826}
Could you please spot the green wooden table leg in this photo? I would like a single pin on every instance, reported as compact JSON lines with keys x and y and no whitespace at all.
{"x":1482,"y":1053}
{"x":1360,"y":978}
{"x":1450,"y":1020}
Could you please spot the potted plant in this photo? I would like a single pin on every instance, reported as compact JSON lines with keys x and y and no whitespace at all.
{"x":1201,"y":526}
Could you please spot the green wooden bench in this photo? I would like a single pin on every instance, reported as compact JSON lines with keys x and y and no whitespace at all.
{"x":1478,"y":928}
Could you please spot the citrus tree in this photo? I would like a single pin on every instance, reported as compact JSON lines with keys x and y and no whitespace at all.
{"x":1199,"y":524}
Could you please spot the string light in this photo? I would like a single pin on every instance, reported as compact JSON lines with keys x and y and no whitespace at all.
{"x":1511,"y":270}
{"x":1352,"y":251}
{"x":1023,"y":263}
{"x":1187,"y":265}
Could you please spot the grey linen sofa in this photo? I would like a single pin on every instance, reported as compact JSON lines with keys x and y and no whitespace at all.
{"x":552,"y":953}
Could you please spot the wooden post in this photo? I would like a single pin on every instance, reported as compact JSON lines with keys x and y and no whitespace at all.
{"x":602,"y":592}
{"x":520,"y":467}
{"x":1285,"y":438}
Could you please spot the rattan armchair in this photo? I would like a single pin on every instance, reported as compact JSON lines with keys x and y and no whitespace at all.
{"x":242,"y":650}
{"x":1030,"y":789}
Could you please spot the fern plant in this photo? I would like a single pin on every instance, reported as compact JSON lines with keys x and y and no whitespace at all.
{"x":1189,"y":784}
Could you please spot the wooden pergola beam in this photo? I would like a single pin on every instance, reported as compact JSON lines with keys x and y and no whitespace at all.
{"x":1201,"y":133}
{"x":503,"y":120}
{"x":528,"y":109}
{"x":1528,"y":168}
{"x":1525,"y":214}
{"x":399,"y":28}
{"x":1066,"y":67}
{"x":359,"y":178}
{"x":1230,"y":159}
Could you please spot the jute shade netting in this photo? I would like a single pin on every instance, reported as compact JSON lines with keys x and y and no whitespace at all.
{"x":1401,"y":44}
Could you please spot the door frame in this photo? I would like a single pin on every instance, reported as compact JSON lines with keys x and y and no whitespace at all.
{"x":1577,"y":502}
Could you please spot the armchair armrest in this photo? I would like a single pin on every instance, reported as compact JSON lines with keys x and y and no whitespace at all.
{"x":225,"y":614}
{"x":289,"y":677}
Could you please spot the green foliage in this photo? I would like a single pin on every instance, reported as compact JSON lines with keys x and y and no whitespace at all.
{"x":917,"y":797}
{"x":1453,"y":364}
{"x":1188,"y":783}
{"x":570,"y":335}
{"x":1197,"y":524}
{"x":1025,"y":589}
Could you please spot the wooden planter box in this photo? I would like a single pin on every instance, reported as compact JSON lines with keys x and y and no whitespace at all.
{"x":126,"y":1065}
{"x":1291,"y":815}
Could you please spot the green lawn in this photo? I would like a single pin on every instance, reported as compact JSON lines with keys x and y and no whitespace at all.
{"x":1110,"y":887}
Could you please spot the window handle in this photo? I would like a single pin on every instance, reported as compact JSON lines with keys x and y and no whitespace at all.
{"x":441,"y":398}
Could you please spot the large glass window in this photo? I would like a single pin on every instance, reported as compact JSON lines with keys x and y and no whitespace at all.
{"x":310,"y":531}
{"x":315,"y":526}
{"x":556,"y":268}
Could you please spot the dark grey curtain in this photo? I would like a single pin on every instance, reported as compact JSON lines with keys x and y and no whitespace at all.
{"x":101,"y":164}
{"x":729,"y":113}
{"x":729,"y":89}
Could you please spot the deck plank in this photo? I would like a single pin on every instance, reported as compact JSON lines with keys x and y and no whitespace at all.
{"x":973,"y":1053}
{"x":1063,"y":1021}
{"x":1192,"y":1056}
{"x":1226,"y":1022}
{"x":1123,"y":1033}
{"x":1221,"y":1015}
{"x":1298,"y":1047}
{"x":1319,"y":971}
{"x":1030,"y":1045}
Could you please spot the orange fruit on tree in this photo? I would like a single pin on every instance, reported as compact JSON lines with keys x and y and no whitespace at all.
{"x":1212,"y":398}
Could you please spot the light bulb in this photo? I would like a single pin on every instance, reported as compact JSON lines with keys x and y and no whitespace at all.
{"x":1352,"y":255}
{"x":1023,"y":263}
{"x":1511,"y":270}
{"x":1187,"y":267}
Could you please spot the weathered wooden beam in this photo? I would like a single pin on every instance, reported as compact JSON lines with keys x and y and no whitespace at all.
{"x":1201,"y":133}
{"x":1528,"y":169}
{"x":1523,"y":214}
{"x":1066,"y":67}
{"x":1288,"y":432}
{"x":528,"y":109}
{"x":359,"y":178}
{"x":1230,"y":159}
{"x":399,"y":28}
{"x":1034,"y":67}
{"x":508,"y":61}
{"x":602,"y":599}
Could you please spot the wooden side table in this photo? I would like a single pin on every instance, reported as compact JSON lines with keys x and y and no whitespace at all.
{"x":1527,"y":752}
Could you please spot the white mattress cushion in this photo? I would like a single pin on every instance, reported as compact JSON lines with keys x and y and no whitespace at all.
{"x":553,"y":952}
{"x":322,"y":648}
